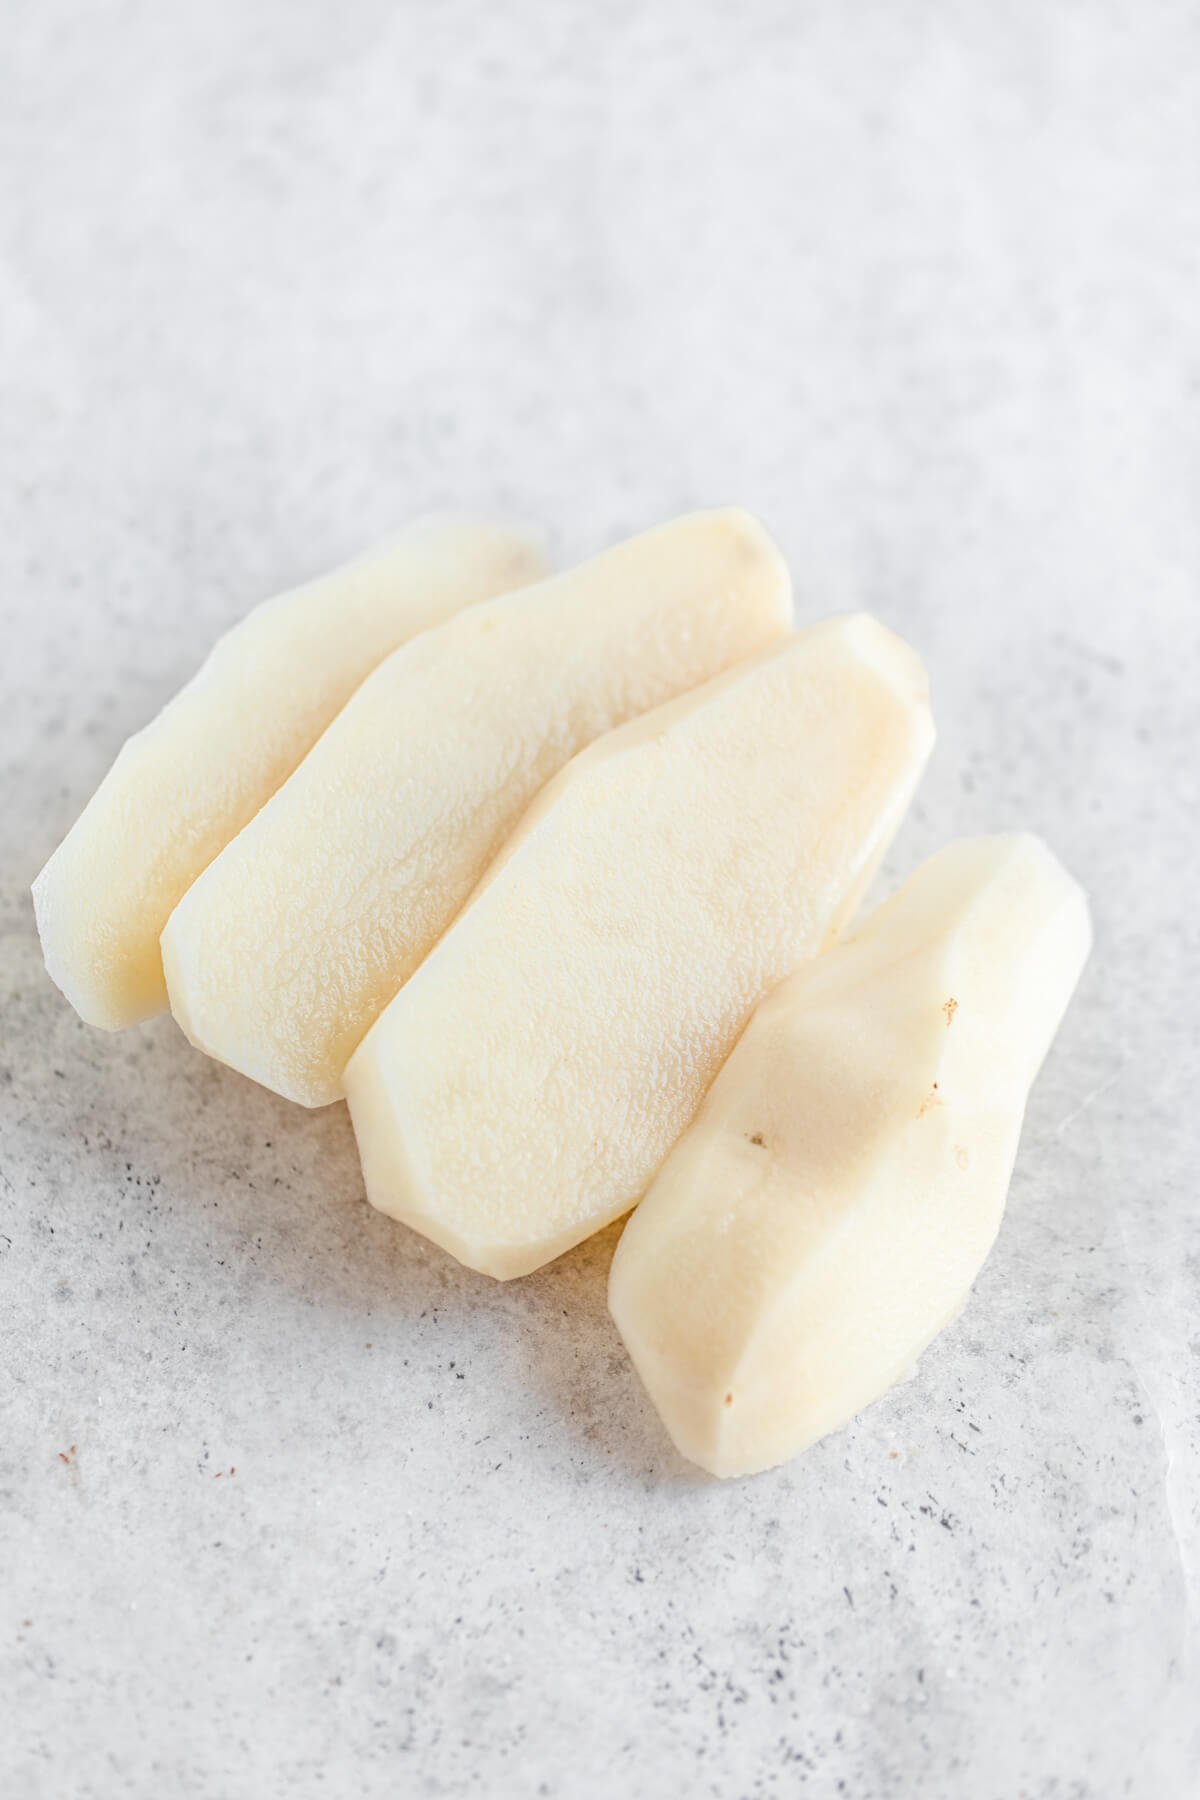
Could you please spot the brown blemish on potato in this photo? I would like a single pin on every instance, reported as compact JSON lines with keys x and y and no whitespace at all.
{"x":729,"y":1399}
{"x":758,"y":1139}
{"x":950,"y":1008}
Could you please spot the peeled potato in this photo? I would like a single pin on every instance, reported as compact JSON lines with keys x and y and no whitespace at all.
{"x":291,"y":943}
{"x":522,"y":1089}
{"x":828,"y":1210}
{"x":183,"y":786}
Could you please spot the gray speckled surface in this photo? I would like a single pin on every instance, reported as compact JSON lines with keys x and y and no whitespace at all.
{"x":920,"y":285}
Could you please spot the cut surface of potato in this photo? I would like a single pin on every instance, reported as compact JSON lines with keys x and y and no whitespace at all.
{"x":522,"y":1089}
{"x":182,"y":787}
{"x":292,"y":942}
{"x":828,"y":1210}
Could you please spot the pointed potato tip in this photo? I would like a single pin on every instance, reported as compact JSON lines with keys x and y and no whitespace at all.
{"x":696,"y":1422}
{"x":79,"y":981}
{"x":176,"y":980}
{"x":1030,"y":848}
{"x":757,"y":545}
{"x":889,"y":655}
{"x":39,"y":892}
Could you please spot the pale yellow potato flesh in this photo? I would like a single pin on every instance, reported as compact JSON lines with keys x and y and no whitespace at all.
{"x":293,"y":941}
{"x":826,"y":1213}
{"x":182,"y":787}
{"x":521,"y":1091}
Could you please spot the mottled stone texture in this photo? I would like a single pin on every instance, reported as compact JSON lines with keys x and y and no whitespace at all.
{"x":919,"y":284}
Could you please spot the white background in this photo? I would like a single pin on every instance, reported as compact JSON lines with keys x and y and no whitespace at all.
{"x":919,"y":284}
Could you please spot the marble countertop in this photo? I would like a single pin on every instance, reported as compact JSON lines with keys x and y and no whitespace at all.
{"x":290,"y":1503}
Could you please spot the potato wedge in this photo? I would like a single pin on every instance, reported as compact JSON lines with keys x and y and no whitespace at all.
{"x":828,"y":1210}
{"x":522,"y":1089}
